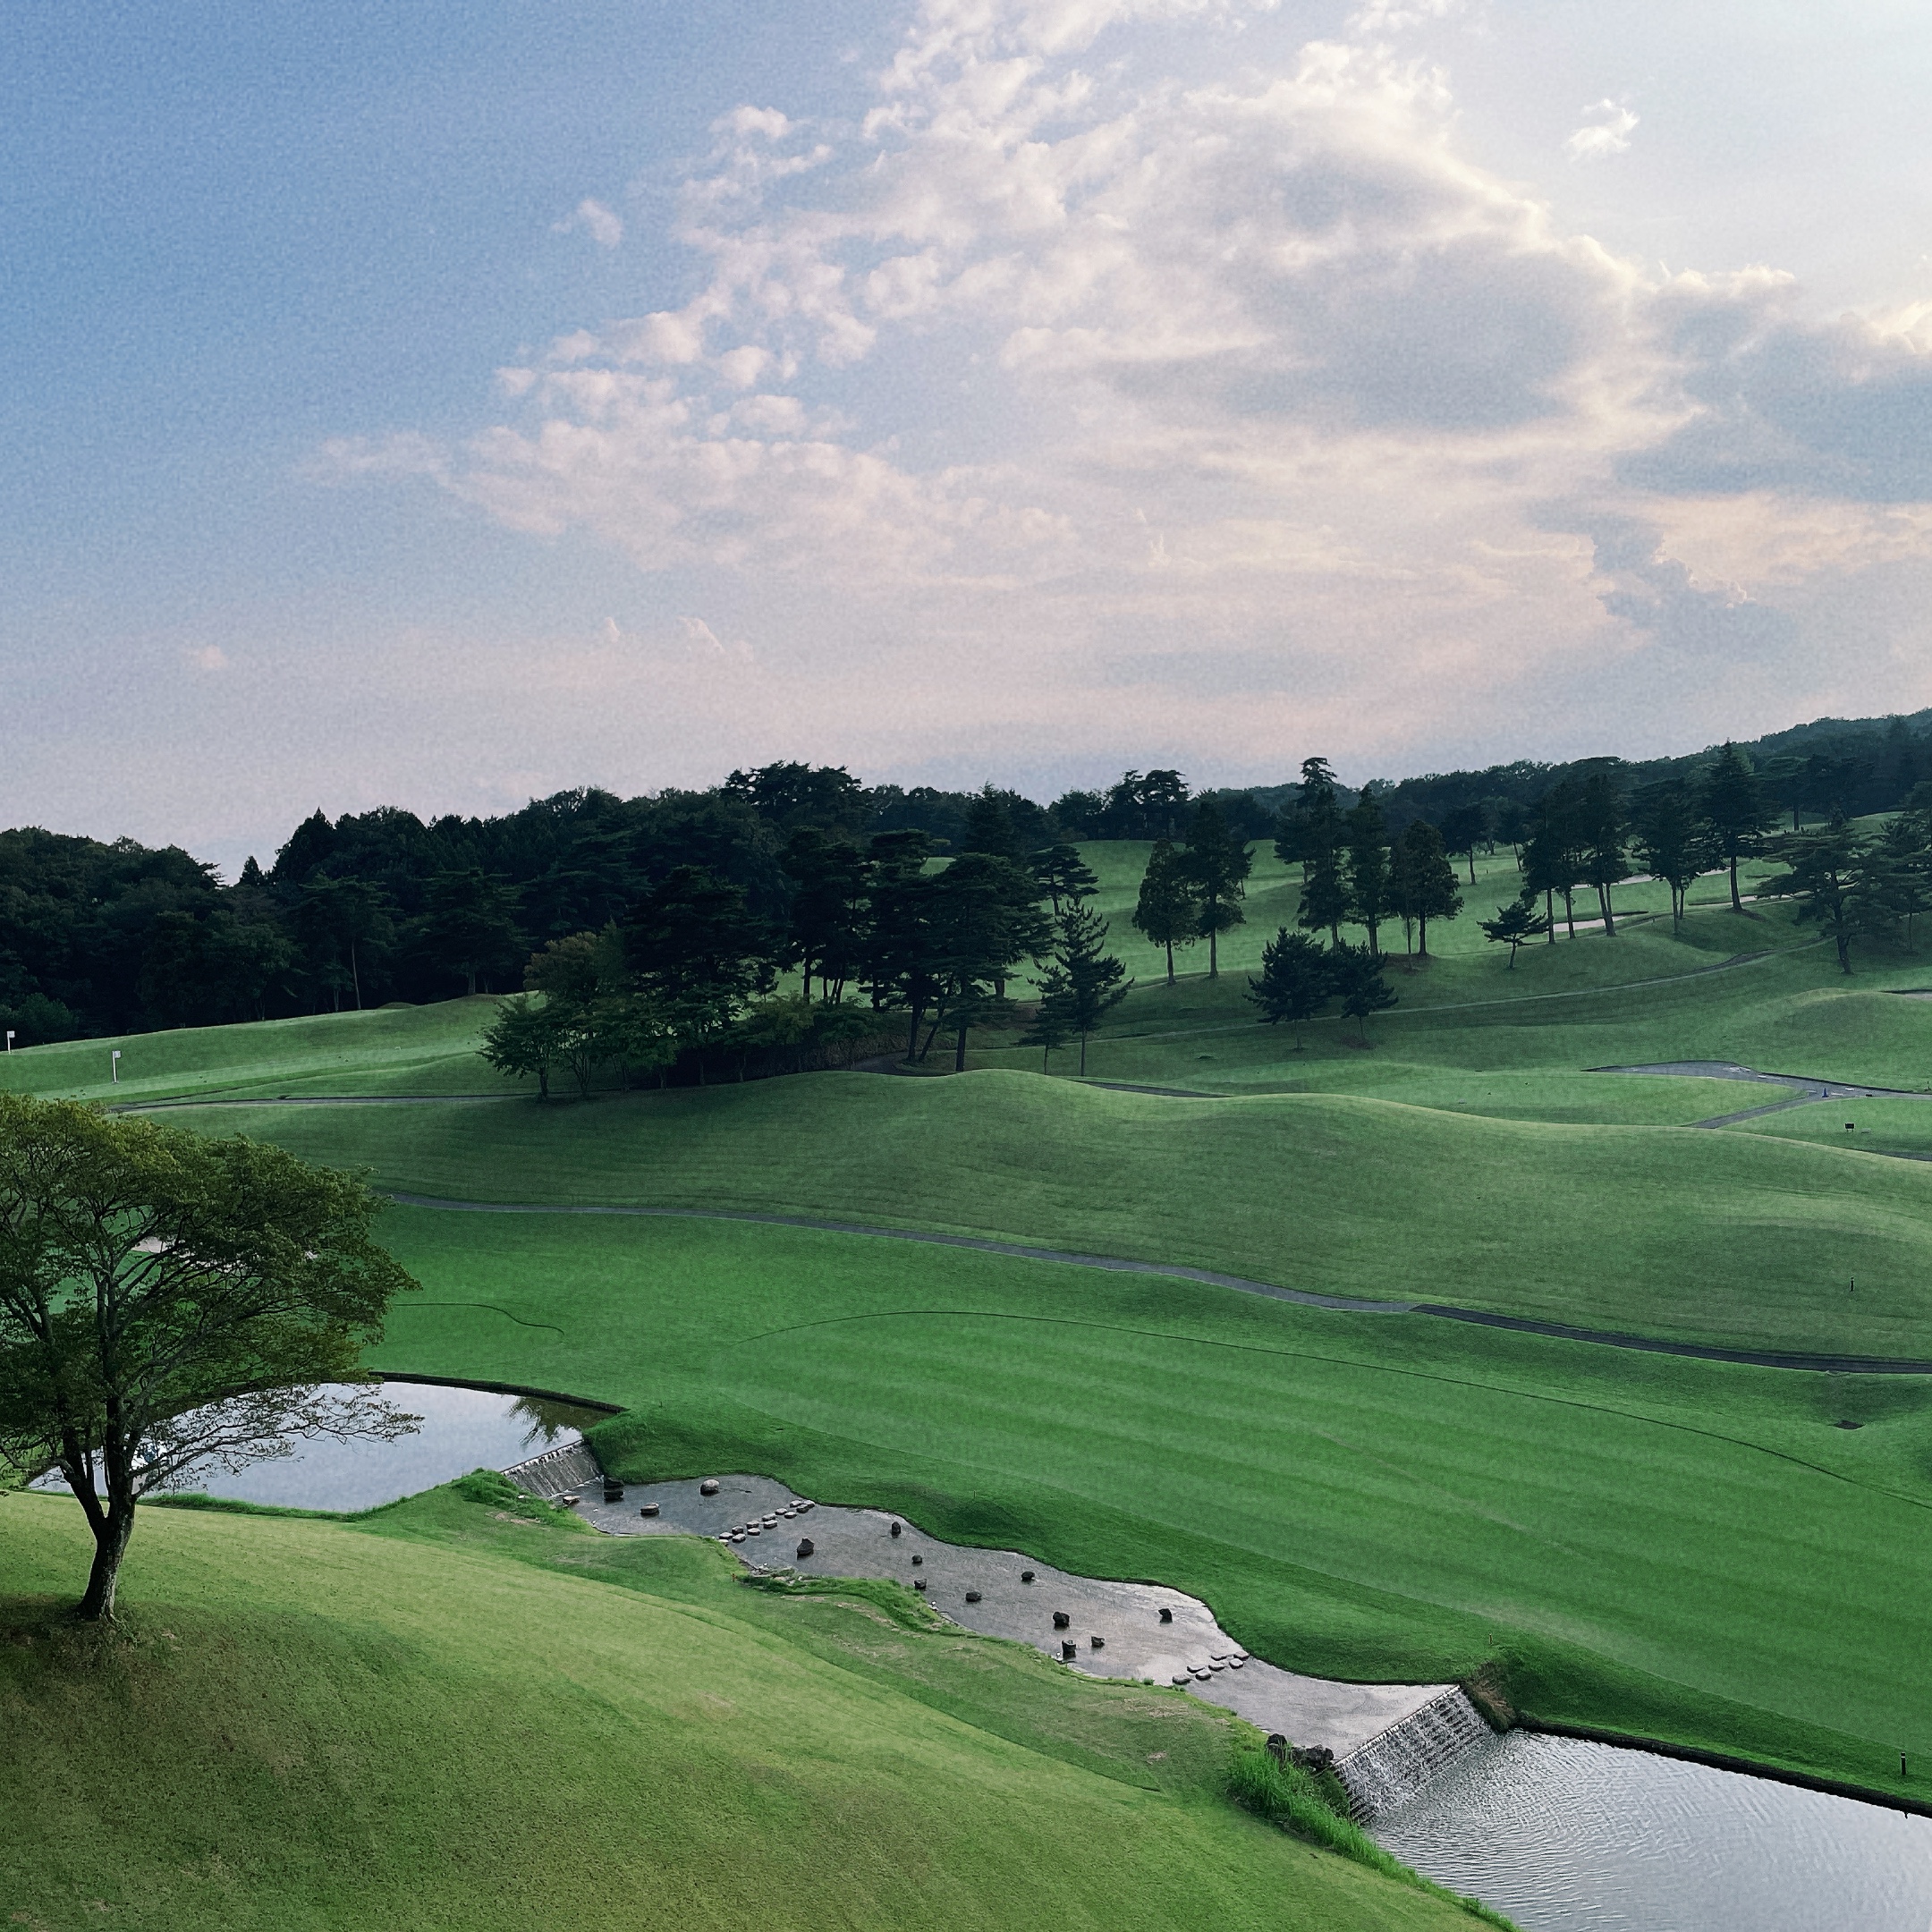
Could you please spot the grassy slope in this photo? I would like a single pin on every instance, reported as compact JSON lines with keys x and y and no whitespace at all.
{"x":1728,"y":1238}
{"x":447,"y":1736}
{"x":1687,"y":1549}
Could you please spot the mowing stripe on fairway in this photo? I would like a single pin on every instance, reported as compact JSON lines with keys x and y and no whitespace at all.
{"x":1558,"y":1331}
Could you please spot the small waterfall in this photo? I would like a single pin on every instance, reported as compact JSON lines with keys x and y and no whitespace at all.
{"x":557,"y":1471}
{"x":1393,"y":1765}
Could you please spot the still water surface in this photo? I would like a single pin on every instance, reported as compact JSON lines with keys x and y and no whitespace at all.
{"x":1565,"y":1837}
{"x":462,"y":1429}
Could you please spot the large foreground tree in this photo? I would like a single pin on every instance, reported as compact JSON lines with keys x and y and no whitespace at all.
{"x":169,"y":1303}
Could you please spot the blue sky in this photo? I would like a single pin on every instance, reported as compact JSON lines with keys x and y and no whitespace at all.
{"x":442,"y":406}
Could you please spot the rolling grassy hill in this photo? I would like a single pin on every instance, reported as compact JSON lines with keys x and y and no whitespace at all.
{"x":445,"y":1717}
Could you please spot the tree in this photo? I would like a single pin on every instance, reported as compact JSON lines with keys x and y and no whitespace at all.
{"x":1052,"y":1025}
{"x":694,"y":944}
{"x":1085,"y":983}
{"x":1063,"y":874}
{"x":900,"y":964}
{"x":1356,"y":973}
{"x":337,"y":920}
{"x":1427,"y":881}
{"x":1218,"y":867}
{"x":1665,"y":832}
{"x":1552,"y":860}
{"x":1168,"y":912}
{"x":525,"y":1039}
{"x":1822,"y":874}
{"x":1736,"y":813}
{"x":989,"y":826}
{"x":1895,"y":882}
{"x":1295,"y":982}
{"x":469,"y":926}
{"x":1367,"y":865}
{"x":826,"y":931}
{"x":982,"y":922}
{"x":169,"y":1301}
{"x":1600,"y":842}
{"x":1515,"y":924}
{"x":1464,"y":827}
{"x":1311,"y":835}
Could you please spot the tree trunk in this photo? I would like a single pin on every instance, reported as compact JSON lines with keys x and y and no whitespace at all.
{"x":1845,"y":949}
{"x":1083,"y":1055}
{"x":1472,"y":865}
{"x":1214,"y":962}
{"x":1609,"y":914}
{"x":111,"y":1536}
{"x":912,"y":1037}
{"x":1170,"y":962}
{"x":1737,"y":904}
{"x":1549,"y":916}
{"x":1569,"y":909}
{"x":1423,"y":922}
{"x":355,"y":974}
{"x":959,"y":1051}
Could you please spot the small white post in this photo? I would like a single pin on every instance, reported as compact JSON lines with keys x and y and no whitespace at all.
{"x":10,"y":1039}
{"x":116,"y":1064}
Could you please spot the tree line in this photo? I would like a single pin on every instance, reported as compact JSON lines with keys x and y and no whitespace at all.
{"x":871,"y":936}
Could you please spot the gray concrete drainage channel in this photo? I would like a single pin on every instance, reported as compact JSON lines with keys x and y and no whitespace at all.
{"x":1387,"y":1740}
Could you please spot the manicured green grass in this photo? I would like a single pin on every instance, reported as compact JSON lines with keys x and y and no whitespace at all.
{"x":1738,"y":1240}
{"x":392,"y":1049}
{"x":1688,"y":1550}
{"x":438,"y":1720}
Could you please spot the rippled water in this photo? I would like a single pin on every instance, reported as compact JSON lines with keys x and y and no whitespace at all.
{"x":1565,"y":1837}
{"x":462,"y":1430}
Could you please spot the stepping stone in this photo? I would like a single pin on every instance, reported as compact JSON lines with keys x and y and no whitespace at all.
{"x":1182,"y":1677}
{"x":1235,"y":1663}
{"x":1069,"y":1648}
{"x":919,"y":1583}
{"x":1098,"y":1643}
{"x":897,"y":1528}
{"x":1166,"y":1616}
{"x":650,"y":1509}
{"x":917,"y":1560}
{"x":755,"y":1529}
{"x":788,"y":1514}
{"x":1026,"y":1576}
{"x":805,"y":1548}
{"x":972,"y":1596}
{"x":1060,"y":1620}
{"x":1218,"y":1663}
{"x":804,"y":1505}
{"x":709,"y":1486}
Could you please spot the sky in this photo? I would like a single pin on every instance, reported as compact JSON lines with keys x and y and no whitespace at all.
{"x":446,"y":406}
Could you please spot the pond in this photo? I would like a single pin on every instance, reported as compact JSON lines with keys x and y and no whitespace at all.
{"x":1568,"y":1836}
{"x":462,"y":1430}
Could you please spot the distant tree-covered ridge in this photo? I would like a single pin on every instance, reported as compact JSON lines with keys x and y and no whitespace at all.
{"x":109,"y":938}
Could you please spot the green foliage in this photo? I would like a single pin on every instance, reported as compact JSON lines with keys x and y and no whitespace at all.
{"x":1515,"y":924}
{"x":1168,"y":911}
{"x":1084,"y":983}
{"x":1296,"y":980}
{"x":1216,"y":865}
{"x":1734,"y":811}
{"x":1355,"y":972}
{"x":167,"y":1300}
{"x":1422,"y":882}
{"x":1367,"y":859}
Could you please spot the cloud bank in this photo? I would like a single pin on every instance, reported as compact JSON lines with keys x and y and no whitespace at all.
{"x":1063,"y":411}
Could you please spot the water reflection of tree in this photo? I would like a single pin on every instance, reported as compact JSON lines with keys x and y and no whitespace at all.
{"x":545,"y":1420}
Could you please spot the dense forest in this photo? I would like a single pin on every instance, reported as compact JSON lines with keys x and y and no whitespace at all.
{"x":792,"y":869}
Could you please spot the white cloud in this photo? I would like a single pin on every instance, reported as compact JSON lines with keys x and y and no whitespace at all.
{"x":604,"y":226}
{"x":207,"y":657}
{"x":1606,"y":132}
{"x":1264,"y":363}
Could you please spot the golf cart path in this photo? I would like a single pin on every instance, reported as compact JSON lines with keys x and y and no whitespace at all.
{"x":1482,"y":1317}
{"x":1803,"y":1088}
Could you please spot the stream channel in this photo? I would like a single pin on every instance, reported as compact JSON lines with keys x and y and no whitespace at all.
{"x":1562,"y":1835}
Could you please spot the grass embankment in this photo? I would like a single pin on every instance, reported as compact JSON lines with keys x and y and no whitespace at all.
{"x":1729,"y":1240}
{"x":444,"y":1715}
{"x":1690,"y":1551}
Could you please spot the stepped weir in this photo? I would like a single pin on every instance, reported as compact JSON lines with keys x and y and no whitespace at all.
{"x":559,"y":1471}
{"x":1395,"y":1764}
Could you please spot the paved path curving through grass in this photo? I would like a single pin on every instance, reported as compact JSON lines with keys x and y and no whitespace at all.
{"x":1805,"y":1087}
{"x":1602,"y":1338}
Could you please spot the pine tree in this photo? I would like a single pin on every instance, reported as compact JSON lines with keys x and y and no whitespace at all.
{"x":1667,"y":837}
{"x":1515,"y":924}
{"x":1063,"y":874}
{"x":1051,"y":1027}
{"x":1295,"y":982}
{"x":1168,"y":913}
{"x":1368,"y":895}
{"x":1428,"y":879}
{"x":1736,"y":812}
{"x":1086,"y":984}
{"x":1217,"y":864}
{"x":1311,"y":834}
{"x":1464,"y":827}
{"x":1600,"y":842}
{"x":1825,"y":876}
{"x":1356,"y":973}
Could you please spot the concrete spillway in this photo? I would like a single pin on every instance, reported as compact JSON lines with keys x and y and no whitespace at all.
{"x":1388,"y":1740}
